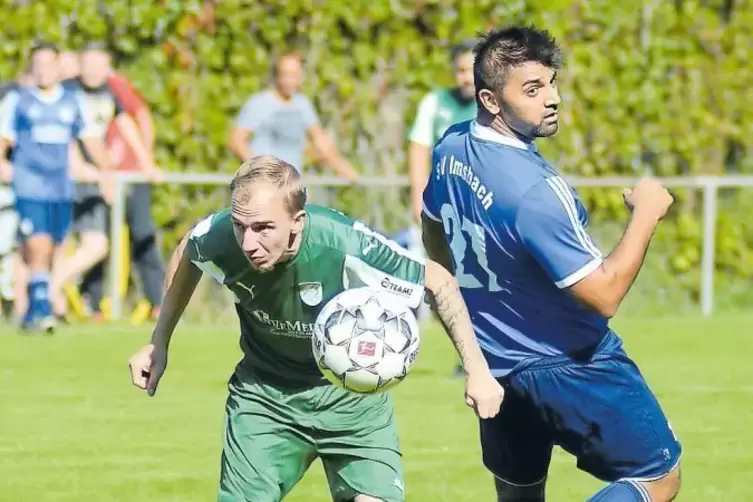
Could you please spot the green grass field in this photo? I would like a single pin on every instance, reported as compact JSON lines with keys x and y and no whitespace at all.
{"x":73,"y":428}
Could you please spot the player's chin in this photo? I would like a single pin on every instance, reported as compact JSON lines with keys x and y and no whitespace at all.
{"x":546,"y":129}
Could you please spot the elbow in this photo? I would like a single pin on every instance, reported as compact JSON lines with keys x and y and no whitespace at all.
{"x":605,"y":307}
{"x":608,"y":310}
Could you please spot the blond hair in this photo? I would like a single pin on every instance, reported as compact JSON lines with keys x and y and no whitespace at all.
{"x":269,"y":170}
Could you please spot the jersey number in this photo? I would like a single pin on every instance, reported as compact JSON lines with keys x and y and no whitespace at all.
{"x":461,"y":233}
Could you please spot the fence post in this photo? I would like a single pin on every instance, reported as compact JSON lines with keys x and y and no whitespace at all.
{"x":710,"y":192}
{"x":117,"y":217}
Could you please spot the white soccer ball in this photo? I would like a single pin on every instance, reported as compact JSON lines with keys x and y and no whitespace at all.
{"x":365,"y":340}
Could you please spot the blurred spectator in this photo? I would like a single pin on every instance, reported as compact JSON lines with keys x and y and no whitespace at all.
{"x":279,"y":121}
{"x":438,"y":110}
{"x":13,"y":270}
{"x":69,"y":65}
{"x":8,"y":229}
{"x":90,"y":204}
{"x":144,"y":249}
{"x":40,"y":121}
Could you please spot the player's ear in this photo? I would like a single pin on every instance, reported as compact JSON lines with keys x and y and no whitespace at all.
{"x":299,"y":219}
{"x":489,"y":101}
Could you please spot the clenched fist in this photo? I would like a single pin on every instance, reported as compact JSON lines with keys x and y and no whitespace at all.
{"x":649,"y":197}
{"x":147,"y":367}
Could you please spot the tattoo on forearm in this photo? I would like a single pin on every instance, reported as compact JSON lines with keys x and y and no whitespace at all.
{"x":449,"y":306}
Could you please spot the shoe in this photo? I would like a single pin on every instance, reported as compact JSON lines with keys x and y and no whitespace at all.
{"x":48,"y":325}
{"x":7,"y":309}
{"x":97,"y":318}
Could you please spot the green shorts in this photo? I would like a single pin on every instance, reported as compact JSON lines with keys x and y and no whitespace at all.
{"x":273,"y":434}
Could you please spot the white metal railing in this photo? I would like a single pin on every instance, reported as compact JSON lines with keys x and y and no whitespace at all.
{"x":708,"y":184}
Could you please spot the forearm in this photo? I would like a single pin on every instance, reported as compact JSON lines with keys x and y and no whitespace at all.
{"x":331,"y":156}
{"x":343,"y":168}
{"x":4,"y":145}
{"x":98,"y":153}
{"x":337,"y":162}
{"x":448,"y":304}
{"x":622,"y":265}
{"x":80,"y":169}
{"x":146,"y":126}
{"x":133,"y":139}
{"x":181,"y":279}
{"x":238,"y":144}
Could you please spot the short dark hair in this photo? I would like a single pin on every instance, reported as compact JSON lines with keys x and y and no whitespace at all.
{"x":501,"y":50}
{"x":463,"y":47}
{"x":43,"y":46}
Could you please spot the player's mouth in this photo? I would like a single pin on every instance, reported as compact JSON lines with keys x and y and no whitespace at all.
{"x":552,"y":117}
{"x":256,"y":261}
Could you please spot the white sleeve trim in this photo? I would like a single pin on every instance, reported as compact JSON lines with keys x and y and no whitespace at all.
{"x":562,"y":191}
{"x":580,"y":274}
{"x":430,"y":215}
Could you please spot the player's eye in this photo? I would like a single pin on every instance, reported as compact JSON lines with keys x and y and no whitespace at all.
{"x":532,"y":91}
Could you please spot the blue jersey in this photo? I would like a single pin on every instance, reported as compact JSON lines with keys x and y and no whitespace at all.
{"x":41,"y":128}
{"x":517,"y":232}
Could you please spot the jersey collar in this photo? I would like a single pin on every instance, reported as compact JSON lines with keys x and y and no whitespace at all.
{"x":486,"y":133}
{"x":52,"y":97}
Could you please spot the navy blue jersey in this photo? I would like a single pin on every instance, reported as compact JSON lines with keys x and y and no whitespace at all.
{"x":517,"y":232}
{"x":41,"y":128}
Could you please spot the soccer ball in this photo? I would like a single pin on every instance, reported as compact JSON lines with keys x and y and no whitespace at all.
{"x":365,"y":340}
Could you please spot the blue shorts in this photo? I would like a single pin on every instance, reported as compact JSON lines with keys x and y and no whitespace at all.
{"x":51,"y":218}
{"x":598,"y":408}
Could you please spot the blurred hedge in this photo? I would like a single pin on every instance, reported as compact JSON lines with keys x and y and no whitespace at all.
{"x":652,"y":86}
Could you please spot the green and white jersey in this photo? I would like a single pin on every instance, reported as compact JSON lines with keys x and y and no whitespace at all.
{"x":277,"y":309}
{"x":437,"y":112}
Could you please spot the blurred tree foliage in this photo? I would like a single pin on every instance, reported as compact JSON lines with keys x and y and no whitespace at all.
{"x":652,"y":86}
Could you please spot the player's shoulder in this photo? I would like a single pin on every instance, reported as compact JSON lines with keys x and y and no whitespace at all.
{"x":12,"y":95}
{"x":301,"y":99}
{"x":211,"y":234}
{"x":327,"y":227}
{"x":334,"y":231}
{"x":454,"y":136}
{"x":514,"y":162}
{"x":262,"y":96}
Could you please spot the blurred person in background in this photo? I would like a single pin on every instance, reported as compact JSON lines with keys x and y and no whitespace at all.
{"x":13,"y":271}
{"x":90,"y":206}
{"x":8,"y":228}
{"x":438,"y":110}
{"x":70,"y":67}
{"x":40,"y":122}
{"x":280,"y":120}
{"x":145,"y":252}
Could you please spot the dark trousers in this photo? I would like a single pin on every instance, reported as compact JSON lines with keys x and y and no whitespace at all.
{"x":145,"y":253}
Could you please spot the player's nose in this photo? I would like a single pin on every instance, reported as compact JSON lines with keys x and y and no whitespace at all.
{"x":554,"y":98}
{"x":250,"y":242}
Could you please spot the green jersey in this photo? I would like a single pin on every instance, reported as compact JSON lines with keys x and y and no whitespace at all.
{"x":277,"y":309}
{"x":438,"y":111}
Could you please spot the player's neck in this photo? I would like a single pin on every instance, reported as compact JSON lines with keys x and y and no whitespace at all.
{"x":48,"y":90}
{"x":282,"y":97}
{"x":497,"y":124}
